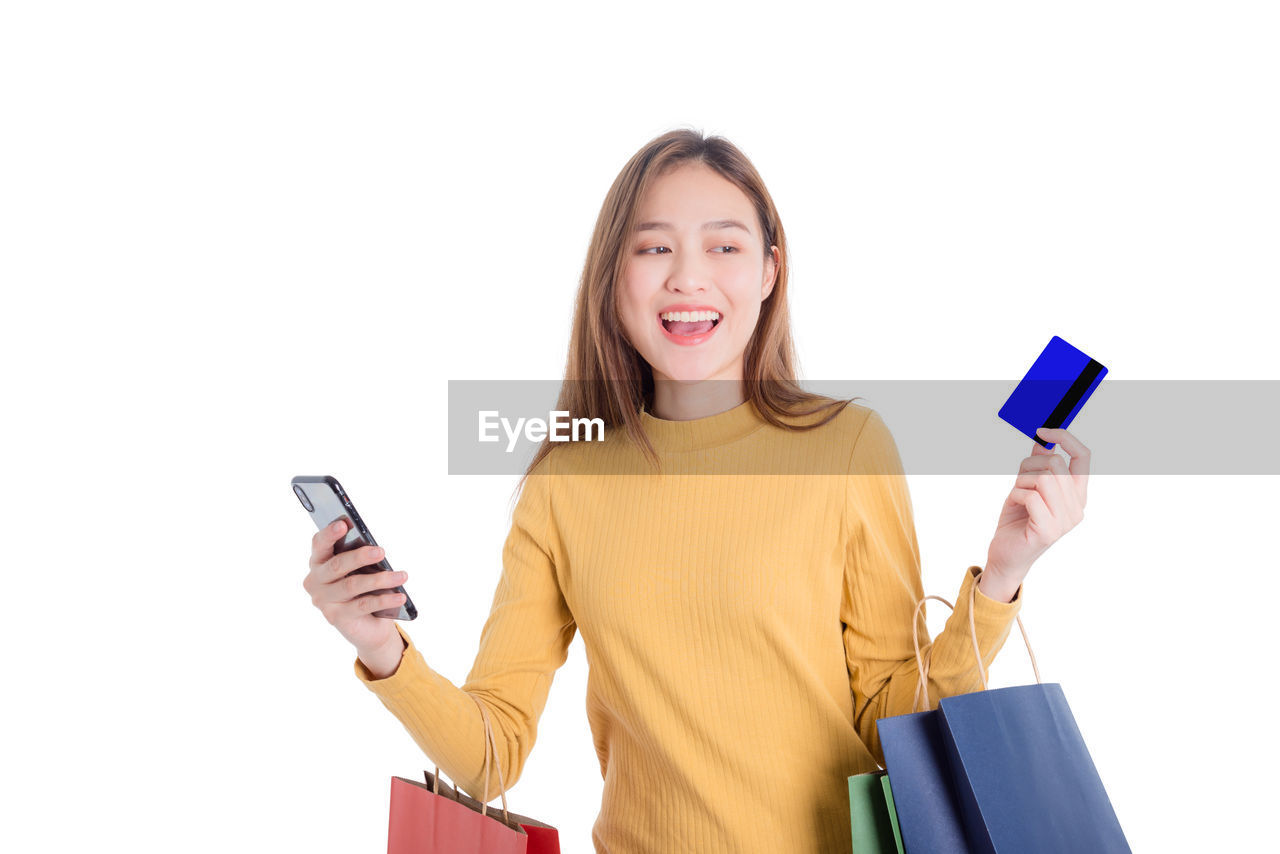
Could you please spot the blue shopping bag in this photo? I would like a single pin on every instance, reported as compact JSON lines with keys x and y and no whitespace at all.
{"x":928,"y":814}
{"x":1002,"y":771}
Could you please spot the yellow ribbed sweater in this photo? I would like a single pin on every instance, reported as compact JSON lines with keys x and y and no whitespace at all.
{"x":743,"y":632}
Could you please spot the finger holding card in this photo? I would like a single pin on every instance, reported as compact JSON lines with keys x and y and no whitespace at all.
{"x":1046,"y":501}
{"x":1078,"y":454}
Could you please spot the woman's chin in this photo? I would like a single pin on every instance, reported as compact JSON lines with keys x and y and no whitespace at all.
{"x":684,"y":373}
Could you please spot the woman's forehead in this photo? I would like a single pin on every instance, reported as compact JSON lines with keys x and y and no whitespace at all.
{"x":694,"y":197}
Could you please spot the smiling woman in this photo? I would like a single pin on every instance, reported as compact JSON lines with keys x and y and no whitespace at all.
{"x":695,"y":250}
{"x":688,"y":226}
{"x":743,"y":633}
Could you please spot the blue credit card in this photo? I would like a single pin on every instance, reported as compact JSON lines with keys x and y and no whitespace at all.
{"x":1053,"y":391}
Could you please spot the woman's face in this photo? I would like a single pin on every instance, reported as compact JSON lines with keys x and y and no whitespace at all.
{"x":697,"y":248}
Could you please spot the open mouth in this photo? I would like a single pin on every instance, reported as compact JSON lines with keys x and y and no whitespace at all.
{"x":689,"y":328}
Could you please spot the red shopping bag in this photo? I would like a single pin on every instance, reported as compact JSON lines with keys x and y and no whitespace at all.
{"x":435,"y":818}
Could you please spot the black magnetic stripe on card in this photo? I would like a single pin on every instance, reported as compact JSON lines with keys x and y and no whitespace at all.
{"x":1073,"y":395}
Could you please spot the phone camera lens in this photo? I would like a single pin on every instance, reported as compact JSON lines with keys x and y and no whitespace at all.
{"x":302,"y":496}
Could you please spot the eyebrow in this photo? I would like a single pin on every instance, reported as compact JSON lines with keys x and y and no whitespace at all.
{"x":706,"y":226}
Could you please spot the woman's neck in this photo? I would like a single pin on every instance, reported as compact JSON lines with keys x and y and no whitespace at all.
{"x":675,"y":401}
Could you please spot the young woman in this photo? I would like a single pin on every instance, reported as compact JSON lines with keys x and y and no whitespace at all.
{"x":739,"y":556}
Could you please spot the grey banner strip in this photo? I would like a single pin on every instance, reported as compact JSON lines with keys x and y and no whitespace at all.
{"x":1181,"y":427}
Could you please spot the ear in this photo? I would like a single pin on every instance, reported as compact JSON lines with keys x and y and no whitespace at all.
{"x":770,"y":273}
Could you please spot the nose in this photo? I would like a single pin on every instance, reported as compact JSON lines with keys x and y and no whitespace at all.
{"x":688,"y":274}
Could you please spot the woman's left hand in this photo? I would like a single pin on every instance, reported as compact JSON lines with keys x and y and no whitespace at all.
{"x":1047,"y":500}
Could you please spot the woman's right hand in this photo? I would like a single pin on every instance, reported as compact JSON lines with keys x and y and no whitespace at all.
{"x":337,"y":592}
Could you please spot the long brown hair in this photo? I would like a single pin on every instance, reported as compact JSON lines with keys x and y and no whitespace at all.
{"x":605,"y":377}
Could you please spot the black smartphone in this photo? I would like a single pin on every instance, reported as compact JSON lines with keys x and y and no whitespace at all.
{"x":324,"y":498}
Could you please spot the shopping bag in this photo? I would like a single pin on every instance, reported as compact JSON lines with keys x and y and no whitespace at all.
{"x":875,"y":828}
{"x":925,"y":800}
{"x":1000,"y":771}
{"x":435,"y":818}
{"x":1025,"y":780}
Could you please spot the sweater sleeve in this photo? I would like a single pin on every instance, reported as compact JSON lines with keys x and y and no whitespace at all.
{"x":524,"y":641}
{"x":882,"y":585}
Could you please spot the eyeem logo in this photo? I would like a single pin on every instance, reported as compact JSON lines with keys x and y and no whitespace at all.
{"x":535,"y":429}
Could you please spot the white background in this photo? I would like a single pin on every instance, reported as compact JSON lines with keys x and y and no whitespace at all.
{"x":243,"y":241}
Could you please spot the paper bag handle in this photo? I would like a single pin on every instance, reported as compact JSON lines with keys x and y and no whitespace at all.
{"x":922,"y":687}
{"x":489,"y":746}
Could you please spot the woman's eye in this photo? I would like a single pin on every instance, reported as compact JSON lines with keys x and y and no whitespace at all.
{"x":658,"y":250}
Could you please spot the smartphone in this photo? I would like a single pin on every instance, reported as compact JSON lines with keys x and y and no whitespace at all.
{"x":325,"y":499}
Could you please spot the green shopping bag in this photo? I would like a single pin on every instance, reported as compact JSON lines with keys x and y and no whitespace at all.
{"x":872,"y":815}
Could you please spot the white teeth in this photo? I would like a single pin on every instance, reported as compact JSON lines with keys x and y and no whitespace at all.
{"x":690,"y":316}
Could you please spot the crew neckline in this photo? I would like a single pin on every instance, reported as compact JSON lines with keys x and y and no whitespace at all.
{"x":699,"y":433}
